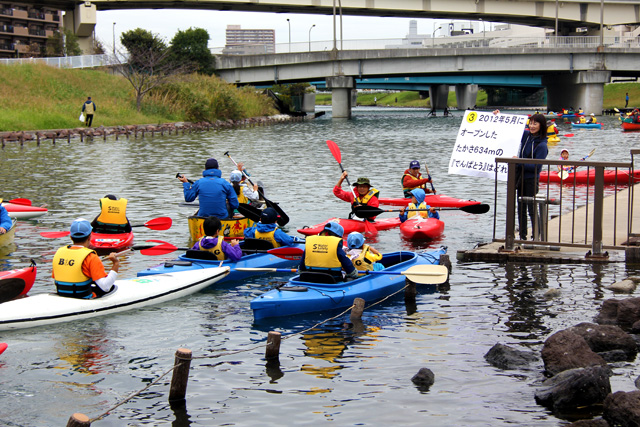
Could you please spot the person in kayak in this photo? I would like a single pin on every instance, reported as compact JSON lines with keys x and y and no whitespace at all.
{"x":244,"y":192}
{"x":78,"y":272}
{"x":366,"y":195}
{"x":412,"y":178}
{"x":215,"y":244}
{"x":363,"y":257}
{"x":564,"y":155}
{"x":112,"y":217}
{"x":268,"y":230}
{"x":417,"y":202}
{"x":592,"y":119}
{"x":323,"y":253}
{"x":5,"y":220}
{"x":213,"y":192}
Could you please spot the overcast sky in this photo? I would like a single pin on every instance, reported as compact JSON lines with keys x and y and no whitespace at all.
{"x":166,"y":22}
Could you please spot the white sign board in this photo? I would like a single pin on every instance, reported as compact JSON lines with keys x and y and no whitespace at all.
{"x":482,"y":137}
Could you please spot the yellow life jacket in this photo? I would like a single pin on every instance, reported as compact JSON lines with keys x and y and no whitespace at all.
{"x":365,"y":199}
{"x":551,"y":130}
{"x":593,"y":120}
{"x":583,"y":120}
{"x":216,"y":250}
{"x":580,"y":111}
{"x":321,"y":253}
{"x":269,"y":237}
{"x":405,"y":189}
{"x":88,"y":108}
{"x":365,"y":260}
{"x":67,"y":272}
{"x":113,"y":212}
{"x":241,"y":197}
{"x":423,"y":205}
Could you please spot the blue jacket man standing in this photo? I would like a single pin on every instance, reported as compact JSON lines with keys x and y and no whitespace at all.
{"x":212,"y":191}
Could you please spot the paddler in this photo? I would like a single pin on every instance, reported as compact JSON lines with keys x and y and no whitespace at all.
{"x":412,"y":178}
{"x":366,"y":195}
{"x":213,"y":192}
{"x":5,"y":220}
{"x":113,"y":216}
{"x":78,"y":272}
{"x":268,"y":230}
{"x":564,"y":155}
{"x":417,"y":202}
{"x":244,"y":192}
{"x":323,"y":253}
{"x":363,"y":257}
{"x":215,"y":244}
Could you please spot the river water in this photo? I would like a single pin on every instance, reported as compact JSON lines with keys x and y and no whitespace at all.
{"x":333,"y":373}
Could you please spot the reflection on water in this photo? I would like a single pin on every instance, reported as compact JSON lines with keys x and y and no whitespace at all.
{"x":348,"y":373}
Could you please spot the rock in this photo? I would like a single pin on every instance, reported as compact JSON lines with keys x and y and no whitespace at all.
{"x":505,"y":357}
{"x":598,"y":422}
{"x":634,"y":278}
{"x":602,"y":338}
{"x":622,"y":408}
{"x":613,"y":356}
{"x":552,"y":293}
{"x":637,"y":382}
{"x":624,"y":286}
{"x":608,"y":312}
{"x":424,"y":379}
{"x":567,"y":350}
{"x":623,"y":313}
{"x":575,"y":388}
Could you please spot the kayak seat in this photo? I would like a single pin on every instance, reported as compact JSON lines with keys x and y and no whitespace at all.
{"x":317,"y":277}
{"x":196,"y":254}
{"x":257,"y":244}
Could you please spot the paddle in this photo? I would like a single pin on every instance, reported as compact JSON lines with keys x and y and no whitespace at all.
{"x":422,"y":274}
{"x":250,"y":212}
{"x":429,"y":176}
{"x":160,"y":223}
{"x":568,"y":135}
{"x":25,"y":202}
{"x":285,"y":252}
{"x":283,"y":218}
{"x":564,"y":174}
{"x":335,"y":151}
{"x":367,"y":211}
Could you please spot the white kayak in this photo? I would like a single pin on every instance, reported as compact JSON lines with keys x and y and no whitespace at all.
{"x":46,"y":309}
{"x":24,"y":211}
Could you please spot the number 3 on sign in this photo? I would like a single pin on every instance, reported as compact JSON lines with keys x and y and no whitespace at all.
{"x":472,"y":117}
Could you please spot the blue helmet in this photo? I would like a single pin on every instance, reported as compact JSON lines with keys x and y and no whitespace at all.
{"x":419,"y":194}
{"x":334,"y":228}
{"x":355,"y":240}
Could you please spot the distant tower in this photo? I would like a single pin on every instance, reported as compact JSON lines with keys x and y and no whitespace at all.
{"x":413,"y":28}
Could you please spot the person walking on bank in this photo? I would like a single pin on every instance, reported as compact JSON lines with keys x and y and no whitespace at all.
{"x":88,"y":108}
{"x":626,"y":100}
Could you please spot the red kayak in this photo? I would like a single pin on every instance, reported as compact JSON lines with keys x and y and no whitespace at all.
{"x":351,"y":225}
{"x":627,"y":126}
{"x":433,"y":200}
{"x":589,"y":176}
{"x":422,"y":228}
{"x":3,"y":347}
{"x":24,"y":211}
{"x":111,"y":242}
{"x":15,"y":283}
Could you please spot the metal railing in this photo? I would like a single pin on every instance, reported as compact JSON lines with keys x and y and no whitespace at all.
{"x":85,"y":61}
{"x":571,"y":213}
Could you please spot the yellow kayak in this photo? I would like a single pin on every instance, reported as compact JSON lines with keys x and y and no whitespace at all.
{"x":230,"y":227}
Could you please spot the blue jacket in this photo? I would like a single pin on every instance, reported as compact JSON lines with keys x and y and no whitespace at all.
{"x":213,"y":193}
{"x":532,"y":147}
{"x":5,"y":220}
{"x":280,"y":236}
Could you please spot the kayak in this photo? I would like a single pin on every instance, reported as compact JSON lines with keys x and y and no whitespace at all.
{"x":15,"y":283}
{"x":627,"y":126}
{"x":589,"y":176}
{"x":587,"y":125}
{"x":553,"y":139}
{"x":299,"y":296}
{"x":572,"y":115}
{"x":193,"y":260}
{"x":433,"y":200}
{"x":3,"y":347}
{"x":47,"y":309}
{"x":112,"y":242}
{"x":230,"y":227}
{"x":422,"y":228}
{"x":351,"y":225}
{"x":7,"y":238}
{"x":24,"y":211}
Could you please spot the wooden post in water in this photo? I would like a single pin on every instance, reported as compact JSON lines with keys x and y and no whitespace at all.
{"x":2,"y":141}
{"x":358,"y":308}
{"x":69,"y":138}
{"x":273,"y":346}
{"x":78,"y":420}
{"x":178,"y":389}
{"x":81,"y":136}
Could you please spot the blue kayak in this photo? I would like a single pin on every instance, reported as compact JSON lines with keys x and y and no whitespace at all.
{"x":587,"y":125}
{"x":194,"y":260}
{"x":299,"y":296}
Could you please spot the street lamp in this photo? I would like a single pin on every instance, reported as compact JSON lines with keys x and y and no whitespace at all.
{"x":310,"y":36}
{"x":484,"y":31}
{"x":289,"y":22}
{"x":433,"y":37}
{"x":114,"y":39}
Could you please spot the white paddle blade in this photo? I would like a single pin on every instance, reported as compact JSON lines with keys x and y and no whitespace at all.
{"x":427,"y":274}
{"x":563,"y":174}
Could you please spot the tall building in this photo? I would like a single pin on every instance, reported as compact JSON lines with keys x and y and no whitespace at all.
{"x":249,"y":42}
{"x":24,"y":28}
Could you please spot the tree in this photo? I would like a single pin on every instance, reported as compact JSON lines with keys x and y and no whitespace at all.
{"x":191,"y":46}
{"x":63,"y":43}
{"x":145,"y":63}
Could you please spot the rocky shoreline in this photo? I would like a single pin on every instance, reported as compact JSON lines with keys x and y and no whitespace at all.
{"x":142,"y":130}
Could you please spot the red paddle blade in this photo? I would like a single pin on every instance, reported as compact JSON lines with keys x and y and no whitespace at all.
{"x":335,"y":150}
{"x":568,"y":135}
{"x":25,"y":202}
{"x":54,"y":234}
{"x":161,"y":223}
{"x":159,"y":250}
{"x":292,"y":254}
{"x":370,"y":229}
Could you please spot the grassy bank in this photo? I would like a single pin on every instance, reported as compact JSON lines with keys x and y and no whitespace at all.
{"x":42,"y":97}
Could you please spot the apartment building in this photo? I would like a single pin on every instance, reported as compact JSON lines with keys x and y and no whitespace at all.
{"x":24,"y":28}
{"x":249,"y":42}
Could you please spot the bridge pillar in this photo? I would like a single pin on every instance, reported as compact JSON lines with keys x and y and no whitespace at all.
{"x":466,"y":96}
{"x":82,"y":22}
{"x":438,"y":95}
{"x":341,"y":87}
{"x":584,"y":89}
